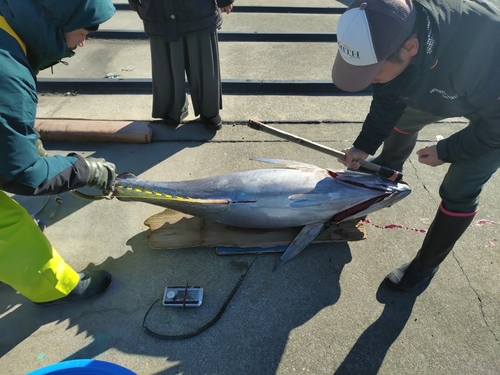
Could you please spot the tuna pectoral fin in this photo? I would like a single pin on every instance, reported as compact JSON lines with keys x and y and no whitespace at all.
{"x":304,"y":238}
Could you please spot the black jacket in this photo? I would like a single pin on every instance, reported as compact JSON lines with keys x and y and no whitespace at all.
{"x":171,"y":19}
{"x":456,"y":74}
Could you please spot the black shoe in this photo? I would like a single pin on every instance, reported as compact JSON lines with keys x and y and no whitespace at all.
{"x":91,"y":285}
{"x":212,"y":123}
{"x":403,"y":280}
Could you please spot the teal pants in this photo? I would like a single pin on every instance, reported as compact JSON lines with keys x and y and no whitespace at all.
{"x":464,"y":181}
{"x":28,"y":262}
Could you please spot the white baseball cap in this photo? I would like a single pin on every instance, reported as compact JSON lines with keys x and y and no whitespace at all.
{"x":368,"y":32}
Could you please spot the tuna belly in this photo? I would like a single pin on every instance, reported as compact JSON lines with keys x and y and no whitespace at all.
{"x":252,"y":216}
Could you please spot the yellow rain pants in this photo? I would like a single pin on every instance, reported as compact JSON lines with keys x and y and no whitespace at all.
{"x":28,"y":262}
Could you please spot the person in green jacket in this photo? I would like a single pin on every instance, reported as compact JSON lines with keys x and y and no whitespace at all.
{"x":35,"y":35}
{"x":427,"y":60}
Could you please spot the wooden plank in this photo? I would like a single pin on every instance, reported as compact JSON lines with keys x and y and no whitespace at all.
{"x":174,"y":230}
{"x":94,"y":131}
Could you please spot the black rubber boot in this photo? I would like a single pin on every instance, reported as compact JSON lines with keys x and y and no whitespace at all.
{"x":397,"y":148}
{"x":91,"y":285}
{"x":444,"y":231}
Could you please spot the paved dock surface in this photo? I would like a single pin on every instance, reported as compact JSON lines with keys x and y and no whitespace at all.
{"x":325,"y":311}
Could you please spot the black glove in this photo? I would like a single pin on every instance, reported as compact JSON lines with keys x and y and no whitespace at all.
{"x":102,"y":174}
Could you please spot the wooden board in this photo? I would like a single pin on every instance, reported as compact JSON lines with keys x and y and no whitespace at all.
{"x":174,"y":230}
{"x":94,"y":131}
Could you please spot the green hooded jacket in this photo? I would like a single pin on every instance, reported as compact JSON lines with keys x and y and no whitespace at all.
{"x":40,"y":25}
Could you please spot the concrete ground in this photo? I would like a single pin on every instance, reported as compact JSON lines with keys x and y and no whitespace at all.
{"x":324,"y":312}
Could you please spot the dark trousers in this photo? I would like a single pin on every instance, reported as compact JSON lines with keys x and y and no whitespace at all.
{"x":195,"y":56}
{"x":464,"y":180}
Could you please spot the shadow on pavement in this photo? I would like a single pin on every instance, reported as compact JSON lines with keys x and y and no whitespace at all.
{"x":250,"y":336}
{"x":368,"y":353}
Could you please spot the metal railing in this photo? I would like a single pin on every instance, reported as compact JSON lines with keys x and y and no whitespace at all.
{"x":229,"y":86}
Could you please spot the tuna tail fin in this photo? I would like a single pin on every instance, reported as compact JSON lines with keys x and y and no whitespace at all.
{"x":291,"y":164}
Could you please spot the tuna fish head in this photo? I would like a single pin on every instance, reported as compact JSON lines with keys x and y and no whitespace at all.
{"x":392,"y":192}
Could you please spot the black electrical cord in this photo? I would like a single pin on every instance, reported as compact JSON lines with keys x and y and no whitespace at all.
{"x":161,"y":336}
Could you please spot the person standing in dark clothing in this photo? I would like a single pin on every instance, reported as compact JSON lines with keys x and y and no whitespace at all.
{"x":184,"y":42}
{"x":35,"y":35}
{"x":427,"y":60}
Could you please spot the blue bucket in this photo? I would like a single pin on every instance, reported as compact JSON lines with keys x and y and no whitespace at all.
{"x":83,"y":367}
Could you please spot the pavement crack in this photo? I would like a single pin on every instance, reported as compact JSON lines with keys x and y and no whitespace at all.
{"x":421,"y":181}
{"x":481,"y":304}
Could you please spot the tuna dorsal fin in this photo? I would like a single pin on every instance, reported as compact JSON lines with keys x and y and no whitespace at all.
{"x":291,"y":164}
